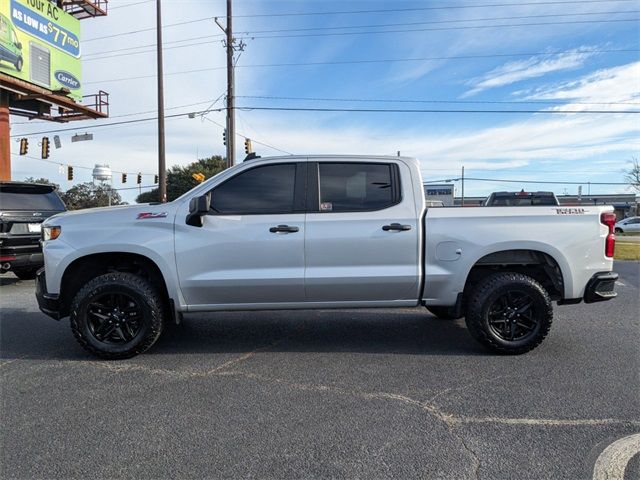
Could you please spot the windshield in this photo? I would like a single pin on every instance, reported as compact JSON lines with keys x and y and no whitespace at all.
{"x":30,"y":202}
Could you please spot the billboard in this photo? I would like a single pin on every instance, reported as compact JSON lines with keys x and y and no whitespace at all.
{"x":439,"y":192}
{"x":40,"y":44}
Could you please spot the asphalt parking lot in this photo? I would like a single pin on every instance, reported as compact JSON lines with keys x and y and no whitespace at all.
{"x":322,"y":394}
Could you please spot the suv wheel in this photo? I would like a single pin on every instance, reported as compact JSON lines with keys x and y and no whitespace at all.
{"x":117,"y":315}
{"x":509,"y":313}
{"x":25,"y":273}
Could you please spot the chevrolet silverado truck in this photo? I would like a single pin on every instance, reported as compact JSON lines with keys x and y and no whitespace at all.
{"x":318,"y":232}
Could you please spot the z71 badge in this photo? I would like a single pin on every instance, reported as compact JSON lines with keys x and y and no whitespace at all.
{"x":570,"y":211}
{"x":145,"y":215}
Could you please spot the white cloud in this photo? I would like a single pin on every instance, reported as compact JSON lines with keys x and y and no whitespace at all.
{"x":618,"y":84}
{"x":533,"y":67}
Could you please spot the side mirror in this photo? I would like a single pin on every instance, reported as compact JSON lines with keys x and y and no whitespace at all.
{"x":19,"y":46}
{"x":198,"y":208}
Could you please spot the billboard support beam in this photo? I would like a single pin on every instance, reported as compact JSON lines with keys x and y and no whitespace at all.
{"x":5,"y":146}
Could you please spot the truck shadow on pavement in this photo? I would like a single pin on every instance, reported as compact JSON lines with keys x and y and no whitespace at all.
{"x":32,"y":335}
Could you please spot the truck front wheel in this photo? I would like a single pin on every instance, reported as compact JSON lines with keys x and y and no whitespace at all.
{"x":117,"y":315}
{"x":509,"y":313}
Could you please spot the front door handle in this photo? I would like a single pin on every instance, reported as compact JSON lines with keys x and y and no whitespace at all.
{"x":284,"y":229}
{"x":396,"y":226}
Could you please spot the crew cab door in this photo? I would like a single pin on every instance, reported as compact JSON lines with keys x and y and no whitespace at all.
{"x":250,"y":249}
{"x":362,"y":233}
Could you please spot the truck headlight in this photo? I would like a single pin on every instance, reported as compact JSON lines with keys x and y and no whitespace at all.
{"x":50,"y":233}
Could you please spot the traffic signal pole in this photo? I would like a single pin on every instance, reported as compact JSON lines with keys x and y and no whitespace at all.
{"x":5,"y":145}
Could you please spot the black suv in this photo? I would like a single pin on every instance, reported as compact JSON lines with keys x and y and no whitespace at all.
{"x":521,"y":199}
{"x":23,"y":208}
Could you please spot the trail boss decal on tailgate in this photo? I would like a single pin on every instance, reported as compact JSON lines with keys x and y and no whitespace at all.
{"x":570,"y":211}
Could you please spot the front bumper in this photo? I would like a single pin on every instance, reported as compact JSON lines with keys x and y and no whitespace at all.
{"x":601,"y":287}
{"x":48,"y":303}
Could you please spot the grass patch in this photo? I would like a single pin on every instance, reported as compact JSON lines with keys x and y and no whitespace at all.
{"x":627,"y":251}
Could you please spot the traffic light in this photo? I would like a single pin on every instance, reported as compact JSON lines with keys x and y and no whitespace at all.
{"x":224,"y":137}
{"x":139,"y":179}
{"x":69,"y":173}
{"x":124,"y":178}
{"x":24,"y":146}
{"x":248,"y":147}
{"x":198,"y":177}
{"x":45,"y":147}
{"x":156,"y":179}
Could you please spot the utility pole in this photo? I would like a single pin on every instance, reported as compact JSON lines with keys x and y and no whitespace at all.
{"x":231,"y":119}
{"x":462,"y":202}
{"x":162,"y":167}
{"x":231,"y":48}
{"x":5,"y":137}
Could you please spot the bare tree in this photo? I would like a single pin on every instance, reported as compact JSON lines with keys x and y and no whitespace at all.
{"x":632,"y":176}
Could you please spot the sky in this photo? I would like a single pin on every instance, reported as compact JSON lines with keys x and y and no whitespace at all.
{"x":469,"y":63}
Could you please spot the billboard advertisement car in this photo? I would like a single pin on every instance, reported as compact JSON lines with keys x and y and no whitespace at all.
{"x":40,"y":44}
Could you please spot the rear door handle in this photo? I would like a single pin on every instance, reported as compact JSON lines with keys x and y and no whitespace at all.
{"x":396,"y":226}
{"x":283,"y":229}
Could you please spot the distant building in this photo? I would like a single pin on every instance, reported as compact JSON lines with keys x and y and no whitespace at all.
{"x":439,"y":192}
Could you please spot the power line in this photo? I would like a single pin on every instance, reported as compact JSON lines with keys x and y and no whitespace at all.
{"x":542,"y":182}
{"x":435,"y":22}
{"x":245,"y":137}
{"x":125,"y":122}
{"x":374,"y":61}
{"x":131,"y":114}
{"x":130,"y":4}
{"x":169,"y":25}
{"x":466,"y":27}
{"x":323,"y":34}
{"x":399,"y":110}
{"x":248,"y":32}
{"x":82,"y":167}
{"x":344,"y":110}
{"x":446,"y":7}
{"x":472,"y":102}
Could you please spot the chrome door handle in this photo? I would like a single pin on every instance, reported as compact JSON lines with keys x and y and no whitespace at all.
{"x":396,"y":226}
{"x":283,"y":229}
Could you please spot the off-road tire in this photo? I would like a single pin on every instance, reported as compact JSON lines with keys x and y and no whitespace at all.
{"x":487,"y":292}
{"x":138,"y":288}
{"x":25,"y":273}
{"x":444,"y":313}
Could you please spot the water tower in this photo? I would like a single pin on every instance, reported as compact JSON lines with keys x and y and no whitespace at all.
{"x":102,"y":173}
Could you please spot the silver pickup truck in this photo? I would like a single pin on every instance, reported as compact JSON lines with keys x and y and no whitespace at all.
{"x":317,"y":232}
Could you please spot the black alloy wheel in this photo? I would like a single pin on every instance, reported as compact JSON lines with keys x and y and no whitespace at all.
{"x":114,"y":318}
{"x":117,"y":315}
{"x":509,"y":312}
{"x":512,"y":316}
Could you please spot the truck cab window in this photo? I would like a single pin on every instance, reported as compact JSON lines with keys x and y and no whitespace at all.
{"x":261,"y":190}
{"x":352,"y":187}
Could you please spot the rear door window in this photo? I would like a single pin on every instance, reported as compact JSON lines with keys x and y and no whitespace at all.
{"x":353,"y":187}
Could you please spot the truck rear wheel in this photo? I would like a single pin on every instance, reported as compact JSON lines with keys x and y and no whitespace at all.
{"x":509,"y":313}
{"x":117,"y":315}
